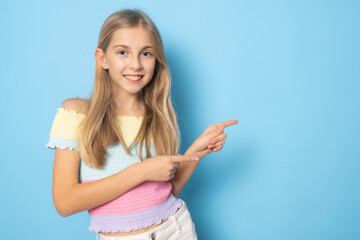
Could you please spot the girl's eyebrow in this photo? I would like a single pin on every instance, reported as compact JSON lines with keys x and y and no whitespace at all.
{"x":125,"y":46}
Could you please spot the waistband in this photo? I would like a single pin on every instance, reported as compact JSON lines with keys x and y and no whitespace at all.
{"x":149,"y":234}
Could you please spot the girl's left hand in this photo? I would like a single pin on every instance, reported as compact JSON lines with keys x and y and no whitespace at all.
{"x":212,"y":139}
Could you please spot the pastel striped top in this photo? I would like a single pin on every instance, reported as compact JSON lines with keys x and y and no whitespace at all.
{"x":146,"y":204}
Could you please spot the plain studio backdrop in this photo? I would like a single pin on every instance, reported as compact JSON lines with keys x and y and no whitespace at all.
{"x":288,"y":71}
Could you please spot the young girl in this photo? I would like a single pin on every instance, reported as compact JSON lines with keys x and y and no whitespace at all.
{"x":99,"y":143}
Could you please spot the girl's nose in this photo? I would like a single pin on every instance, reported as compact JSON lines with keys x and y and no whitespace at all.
{"x":135,"y":63}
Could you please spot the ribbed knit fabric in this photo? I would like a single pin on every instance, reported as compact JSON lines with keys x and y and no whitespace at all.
{"x":146,"y":204}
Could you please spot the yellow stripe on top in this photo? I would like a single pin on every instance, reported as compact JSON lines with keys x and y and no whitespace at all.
{"x":67,"y":121}
{"x":66,"y":124}
{"x":129,"y":125}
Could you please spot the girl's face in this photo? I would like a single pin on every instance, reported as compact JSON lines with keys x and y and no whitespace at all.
{"x":130,"y":59}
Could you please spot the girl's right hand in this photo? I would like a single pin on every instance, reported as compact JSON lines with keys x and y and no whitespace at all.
{"x":163,"y":167}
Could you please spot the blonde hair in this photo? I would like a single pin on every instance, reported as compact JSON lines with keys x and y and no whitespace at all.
{"x":100,"y":129}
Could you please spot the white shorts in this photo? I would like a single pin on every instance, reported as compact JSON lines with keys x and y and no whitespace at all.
{"x":178,"y":227}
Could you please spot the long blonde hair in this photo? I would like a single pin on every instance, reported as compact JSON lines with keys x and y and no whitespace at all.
{"x":100,"y":128}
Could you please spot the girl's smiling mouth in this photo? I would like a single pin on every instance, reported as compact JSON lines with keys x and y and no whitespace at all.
{"x":133,"y":78}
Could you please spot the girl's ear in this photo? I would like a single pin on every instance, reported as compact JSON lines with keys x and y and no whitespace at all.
{"x":100,"y":57}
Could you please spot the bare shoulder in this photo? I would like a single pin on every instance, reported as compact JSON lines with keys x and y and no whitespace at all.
{"x":77,"y":104}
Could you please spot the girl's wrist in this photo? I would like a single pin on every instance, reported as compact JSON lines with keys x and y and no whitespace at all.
{"x":139,"y":171}
{"x":192,"y":152}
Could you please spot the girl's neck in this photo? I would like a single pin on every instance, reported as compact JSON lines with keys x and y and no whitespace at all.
{"x":129,"y":106}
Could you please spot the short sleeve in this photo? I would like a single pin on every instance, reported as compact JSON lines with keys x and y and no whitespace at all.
{"x":65,"y":130}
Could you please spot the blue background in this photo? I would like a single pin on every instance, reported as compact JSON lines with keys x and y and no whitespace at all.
{"x":288,"y":71}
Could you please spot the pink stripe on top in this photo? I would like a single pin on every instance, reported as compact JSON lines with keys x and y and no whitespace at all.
{"x":144,"y":196}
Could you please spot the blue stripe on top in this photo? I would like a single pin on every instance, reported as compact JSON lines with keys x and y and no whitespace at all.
{"x":116,"y":160}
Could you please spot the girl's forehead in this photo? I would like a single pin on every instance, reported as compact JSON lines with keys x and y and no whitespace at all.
{"x":131,"y":36}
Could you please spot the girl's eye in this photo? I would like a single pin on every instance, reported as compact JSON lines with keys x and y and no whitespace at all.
{"x":122,"y":52}
{"x":146,"y":54}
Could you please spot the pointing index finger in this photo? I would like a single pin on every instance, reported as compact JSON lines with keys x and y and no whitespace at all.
{"x":226,"y":123}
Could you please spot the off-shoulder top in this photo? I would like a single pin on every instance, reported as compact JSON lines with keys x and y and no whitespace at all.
{"x":146,"y":204}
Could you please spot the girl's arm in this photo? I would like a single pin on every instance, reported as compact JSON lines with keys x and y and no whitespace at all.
{"x":71,"y":197}
{"x":184,"y":172}
{"x":211,"y":140}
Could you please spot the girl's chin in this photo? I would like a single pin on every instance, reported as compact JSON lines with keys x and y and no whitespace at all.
{"x":133,"y":90}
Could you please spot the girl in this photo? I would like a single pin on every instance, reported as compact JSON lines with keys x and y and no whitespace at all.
{"x":99,"y":143}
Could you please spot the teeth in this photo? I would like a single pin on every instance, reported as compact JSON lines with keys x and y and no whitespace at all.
{"x":133,"y":77}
